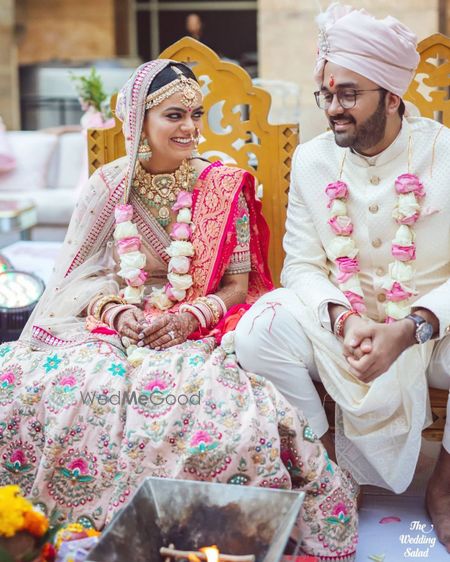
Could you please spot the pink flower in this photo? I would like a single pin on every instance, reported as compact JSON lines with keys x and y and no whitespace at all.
{"x":137,"y":280}
{"x":181,"y":231}
{"x":404,"y":253}
{"x":341,"y":225}
{"x":356,"y":301}
{"x":8,"y":378}
{"x":123,"y":213}
{"x":19,"y":457}
{"x":156,"y":384}
{"x":184,"y":199}
{"x":201,"y":437}
{"x":70,"y":380}
{"x":407,"y":183}
{"x":348,"y":265}
{"x":179,"y":264}
{"x":131,"y":244}
{"x":337,"y":190}
{"x":339,"y":508}
{"x":397,"y":293}
{"x":344,"y":277}
{"x":78,"y":465}
{"x":409,"y":220}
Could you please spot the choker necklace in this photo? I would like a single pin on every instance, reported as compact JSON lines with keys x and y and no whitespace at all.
{"x":160,"y":191}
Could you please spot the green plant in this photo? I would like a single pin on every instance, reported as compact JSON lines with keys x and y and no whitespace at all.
{"x":90,"y":90}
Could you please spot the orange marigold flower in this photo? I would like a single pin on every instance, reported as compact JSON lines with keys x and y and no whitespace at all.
{"x":35,"y":523}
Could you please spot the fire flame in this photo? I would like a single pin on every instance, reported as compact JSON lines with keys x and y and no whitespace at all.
{"x":212,"y":553}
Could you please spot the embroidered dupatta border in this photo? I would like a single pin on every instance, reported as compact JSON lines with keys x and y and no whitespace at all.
{"x":214,"y":210}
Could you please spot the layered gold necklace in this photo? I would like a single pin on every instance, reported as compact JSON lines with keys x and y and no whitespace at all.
{"x":160,"y":191}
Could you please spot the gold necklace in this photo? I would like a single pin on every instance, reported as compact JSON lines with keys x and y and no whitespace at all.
{"x":161,"y":190}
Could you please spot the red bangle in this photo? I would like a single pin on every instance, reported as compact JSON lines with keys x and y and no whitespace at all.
{"x":339,"y":327}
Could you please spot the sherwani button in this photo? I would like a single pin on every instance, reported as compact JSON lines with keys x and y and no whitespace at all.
{"x":374,"y":180}
{"x":374,"y":208}
{"x":381,"y":297}
{"x":379,"y":271}
{"x":376,"y":243}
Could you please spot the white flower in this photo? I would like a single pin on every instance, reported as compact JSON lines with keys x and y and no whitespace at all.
{"x":401,"y":272}
{"x":342,"y":246}
{"x":132,"y":260}
{"x":137,"y":355}
{"x":398,"y":310}
{"x":179,"y":294}
{"x":404,"y":236}
{"x":133,"y":295}
{"x":180,"y":248}
{"x":179,"y":264}
{"x":125,"y":230}
{"x":128,"y":272}
{"x":352,"y":284}
{"x":180,"y":282}
{"x":406,"y":205}
{"x":338,"y":208}
{"x":184,"y":215}
{"x":159,"y":299}
{"x":227,"y":343}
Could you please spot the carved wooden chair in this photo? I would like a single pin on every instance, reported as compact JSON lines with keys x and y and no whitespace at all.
{"x":246,"y":137}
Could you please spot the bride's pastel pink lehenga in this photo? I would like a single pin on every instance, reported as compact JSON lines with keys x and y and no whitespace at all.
{"x":80,"y":428}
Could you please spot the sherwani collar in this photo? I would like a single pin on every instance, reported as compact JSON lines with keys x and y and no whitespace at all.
{"x":396,"y":148}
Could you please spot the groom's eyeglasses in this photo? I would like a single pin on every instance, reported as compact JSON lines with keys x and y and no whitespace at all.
{"x":346,"y":98}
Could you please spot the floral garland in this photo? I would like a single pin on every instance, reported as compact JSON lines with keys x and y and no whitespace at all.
{"x":344,"y":253}
{"x":132,"y":260}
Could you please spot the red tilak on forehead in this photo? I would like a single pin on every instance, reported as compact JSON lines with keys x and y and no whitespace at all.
{"x":331,"y":82}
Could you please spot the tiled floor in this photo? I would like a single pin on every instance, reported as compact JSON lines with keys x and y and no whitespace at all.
{"x":411,"y":538}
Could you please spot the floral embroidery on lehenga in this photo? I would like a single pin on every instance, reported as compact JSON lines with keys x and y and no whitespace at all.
{"x":77,"y":439}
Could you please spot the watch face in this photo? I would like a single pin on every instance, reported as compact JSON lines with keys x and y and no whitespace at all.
{"x":424,"y":332}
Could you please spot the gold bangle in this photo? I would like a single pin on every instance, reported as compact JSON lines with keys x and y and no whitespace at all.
{"x":97,"y":311}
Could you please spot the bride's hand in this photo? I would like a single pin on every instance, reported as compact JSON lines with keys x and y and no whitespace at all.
{"x":168,"y":330}
{"x":128,"y":324}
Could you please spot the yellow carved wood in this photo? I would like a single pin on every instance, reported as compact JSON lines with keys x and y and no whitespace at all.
{"x":429,"y":91}
{"x":245,"y":137}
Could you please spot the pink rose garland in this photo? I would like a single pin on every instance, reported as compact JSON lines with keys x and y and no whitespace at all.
{"x":407,"y":211}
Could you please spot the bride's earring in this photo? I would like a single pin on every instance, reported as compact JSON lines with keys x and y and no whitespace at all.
{"x":196,"y":139}
{"x":144,"y":150}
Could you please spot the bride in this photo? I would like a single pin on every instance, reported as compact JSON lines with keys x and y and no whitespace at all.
{"x":119,"y":374}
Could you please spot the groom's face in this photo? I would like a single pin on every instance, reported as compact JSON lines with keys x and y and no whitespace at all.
{"x":360,"y":127}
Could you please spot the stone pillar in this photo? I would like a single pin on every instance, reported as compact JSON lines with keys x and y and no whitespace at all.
{"x":9,"y":97}
{"x":287,"y":43}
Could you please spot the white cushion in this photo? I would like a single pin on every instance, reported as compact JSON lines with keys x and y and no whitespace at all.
{"x":33,"y":151}
{"x":53,"y":206}
{"x":68,"y":162}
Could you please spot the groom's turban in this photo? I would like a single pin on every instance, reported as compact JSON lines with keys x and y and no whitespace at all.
{"x":382,"y":50}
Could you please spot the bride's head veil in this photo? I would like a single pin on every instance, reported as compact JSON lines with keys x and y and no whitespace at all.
{"x":86,"y":266}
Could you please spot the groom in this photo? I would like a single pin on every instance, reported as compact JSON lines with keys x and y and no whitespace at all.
{"x":366,"y":303}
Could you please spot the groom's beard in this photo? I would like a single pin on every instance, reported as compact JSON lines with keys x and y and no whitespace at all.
{"x":362,"y":137}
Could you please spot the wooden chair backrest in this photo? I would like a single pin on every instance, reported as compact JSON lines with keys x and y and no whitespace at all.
{"x":250,"y":141}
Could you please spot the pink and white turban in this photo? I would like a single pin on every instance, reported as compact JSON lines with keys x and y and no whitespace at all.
{"x":383,"y":51}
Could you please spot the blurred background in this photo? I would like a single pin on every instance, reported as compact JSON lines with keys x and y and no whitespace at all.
{"x":274,"y":40}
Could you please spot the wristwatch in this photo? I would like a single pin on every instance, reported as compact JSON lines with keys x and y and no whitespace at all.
{"x":424,"y":330}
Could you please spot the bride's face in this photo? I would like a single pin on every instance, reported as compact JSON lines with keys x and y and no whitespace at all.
{"x":170,"y":128}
